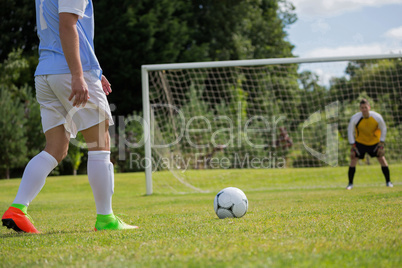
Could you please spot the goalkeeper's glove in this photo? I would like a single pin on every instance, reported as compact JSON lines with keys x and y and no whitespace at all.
{"x":380,"y":149}
{"x":354,"y":151}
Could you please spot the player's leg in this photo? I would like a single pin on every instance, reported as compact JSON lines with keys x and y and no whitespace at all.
{"x":39,"y":167}
{"x":385,"y":170}
{"x":34,"y":179}
{"x":57,"y":140}
{"x":100,"y":169}
{"x":352,"y":169}
{"x":101,"y":176}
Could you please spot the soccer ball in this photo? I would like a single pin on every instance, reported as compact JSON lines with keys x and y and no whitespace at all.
{"x":230,"y":202}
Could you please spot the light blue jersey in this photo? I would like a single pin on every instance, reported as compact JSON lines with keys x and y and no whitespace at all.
{"x":51,"y":56}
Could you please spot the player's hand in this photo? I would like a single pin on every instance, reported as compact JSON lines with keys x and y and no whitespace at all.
{"x":354,"y":152}
{"x":107,"y":87}
{"x":79,"y":91}
{"x":380,"y":149}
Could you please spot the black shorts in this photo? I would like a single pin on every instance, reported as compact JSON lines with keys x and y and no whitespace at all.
{"x":363,"y":149}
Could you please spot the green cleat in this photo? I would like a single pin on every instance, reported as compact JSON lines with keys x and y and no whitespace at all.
{"x":111,"y":222}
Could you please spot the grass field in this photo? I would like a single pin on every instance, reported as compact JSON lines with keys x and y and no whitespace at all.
{"x":296,"y":218}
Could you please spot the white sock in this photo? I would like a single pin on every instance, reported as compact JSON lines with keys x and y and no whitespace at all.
{"x":34,"y":177}
{"x":101,"y":179}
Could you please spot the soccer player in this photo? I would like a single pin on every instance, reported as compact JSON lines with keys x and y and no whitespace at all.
{"x":71,"y":91}
{"x":366,"y":134}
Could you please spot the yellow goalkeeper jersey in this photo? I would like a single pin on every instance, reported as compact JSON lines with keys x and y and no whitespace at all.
{"x":367,"y":131}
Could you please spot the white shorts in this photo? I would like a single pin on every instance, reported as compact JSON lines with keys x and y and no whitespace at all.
{"x":52,"y":93}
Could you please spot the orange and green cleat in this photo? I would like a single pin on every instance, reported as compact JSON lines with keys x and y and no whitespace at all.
{"x":18,"y":220}
{"x":111,"y":222}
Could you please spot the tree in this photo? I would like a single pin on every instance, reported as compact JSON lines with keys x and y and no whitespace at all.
{"x":311,"y":93}
{"x":33,"y":128}
{"x":162,"y":31}
{"x":378,"y":78}
{"x":235,"y":30}
{"x":18,"y":26}
{"x":13,"y":70}
{"x":12,"y":135}
{"x":24,"y":114}
{"x":141,"y":32}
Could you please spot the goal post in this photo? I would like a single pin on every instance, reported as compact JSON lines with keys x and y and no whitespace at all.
{"x":224,"y":114}
{"x":147,"y":129}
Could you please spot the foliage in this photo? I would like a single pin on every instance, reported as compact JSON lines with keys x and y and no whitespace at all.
{"x":200,"y":124}
{"x":21,"y":128}
{"x":140,"y":32}
{"x":76,"y":152}
{"x":13,"y":150}
{"x":162,"y":31}
{"x":127,"y":150}
{"x":364,"y":77}
{"x":234,"y":30}
{"x":18,"y":27}
{"x":33,"y":127}
{"x":11,"y":69}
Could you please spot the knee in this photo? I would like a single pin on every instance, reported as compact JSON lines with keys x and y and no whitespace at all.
{"x":59,"y":154}
{"x":62,"y":155}
{"x":353,"y":161}
{"x":382,"y":161}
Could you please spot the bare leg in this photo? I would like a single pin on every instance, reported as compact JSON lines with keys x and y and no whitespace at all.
{"x":382,"y":161}
{"x":353,"y":161}
{"x":97,"y":137}
{"x":41,"y":165}
{"x":57,"y":140}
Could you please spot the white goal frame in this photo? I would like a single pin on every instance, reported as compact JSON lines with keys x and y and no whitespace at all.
{"x":215,"y":64}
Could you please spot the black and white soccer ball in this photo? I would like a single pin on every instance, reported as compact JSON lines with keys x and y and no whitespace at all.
{"x":230,"y":202}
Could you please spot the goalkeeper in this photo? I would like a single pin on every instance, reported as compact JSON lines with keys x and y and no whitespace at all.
{"x":366,"y":134}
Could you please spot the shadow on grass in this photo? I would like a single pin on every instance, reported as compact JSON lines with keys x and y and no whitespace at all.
{"x":22,"y":234}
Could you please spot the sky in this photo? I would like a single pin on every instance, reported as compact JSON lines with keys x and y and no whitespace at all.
{"x":332,"y":28}
{"x":328,"y":28}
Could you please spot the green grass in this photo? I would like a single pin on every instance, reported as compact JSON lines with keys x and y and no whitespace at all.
{"x":296,"y":218}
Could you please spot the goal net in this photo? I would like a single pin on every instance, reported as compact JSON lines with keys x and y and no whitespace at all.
{"x":264,"y":114}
